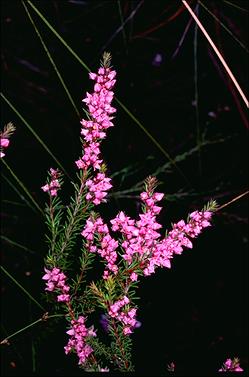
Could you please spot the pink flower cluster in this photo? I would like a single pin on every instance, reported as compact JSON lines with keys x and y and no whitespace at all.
{"x":54,"y":184}
{"x":139,"y":236}
{"x":126,"y":316}
{"x":56,"y":281}
{"x":4,"y":143}
{"x":177,"y":238}
{"x":108,"y":245}
{"x":94,"y":130}
{"x":97,"y":188}
{"x":78,"y":333}
{"x":103,"y":369}
{"x":8,"y":130}
{"x":231,"y":366}
{"x":141,"y":241}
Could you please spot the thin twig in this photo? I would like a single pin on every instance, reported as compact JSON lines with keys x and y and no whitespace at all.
{"x":42,"y":319}
{"x":233,"y":200}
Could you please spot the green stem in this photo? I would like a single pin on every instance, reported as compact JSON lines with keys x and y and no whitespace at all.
{"x":53,"y":228}
{"x":120,"y":347}
{"x":83,"y":269}
{"x":73,"y":218}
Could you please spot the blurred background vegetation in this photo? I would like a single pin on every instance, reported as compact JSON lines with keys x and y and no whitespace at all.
{"x":179,"y":117}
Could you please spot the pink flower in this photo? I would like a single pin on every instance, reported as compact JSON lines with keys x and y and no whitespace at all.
{"x":103,"y":369}
{"x":107,"y":244}
{"x":133,"y":276}
{"x":4,"y":137}
{"x":140,"y":236}
{"x":78,"y":342}
{"x":97,"y":188}
{"x":56,"y":280}
{"x":54,"y":185}
{"x":63,"y":298}
{"x":127,"y":331}
{"x":231,"y":366}
{"x":142,"y":241}
{"x":94,"y":130}
{"x":126,"y":316}
{"x":4,"y":142}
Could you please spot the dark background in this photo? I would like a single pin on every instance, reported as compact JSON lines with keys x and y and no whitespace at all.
{"x":196,"y":313}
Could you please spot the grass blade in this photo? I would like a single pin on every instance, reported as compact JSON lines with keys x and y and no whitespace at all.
{"x":122,"y":23}
{"x":182,"y":37}
{"x":230,"y":74}
{"x":224,"y":26}
{"x":14,"y":243}
{"x":58,"y":36}
{"x":197,"y":115}
{"x":22,"y":186}
{"x":33,"y":354}
{"x":235,"y":6}
{"x":34,"y":133}
{"x":22,"y":288}
{"x":121,"y":27}
{"x":52,"y":61}
{"x":19,"y":194}
{"x":138,"y":187}
{"x":153,"y":140}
